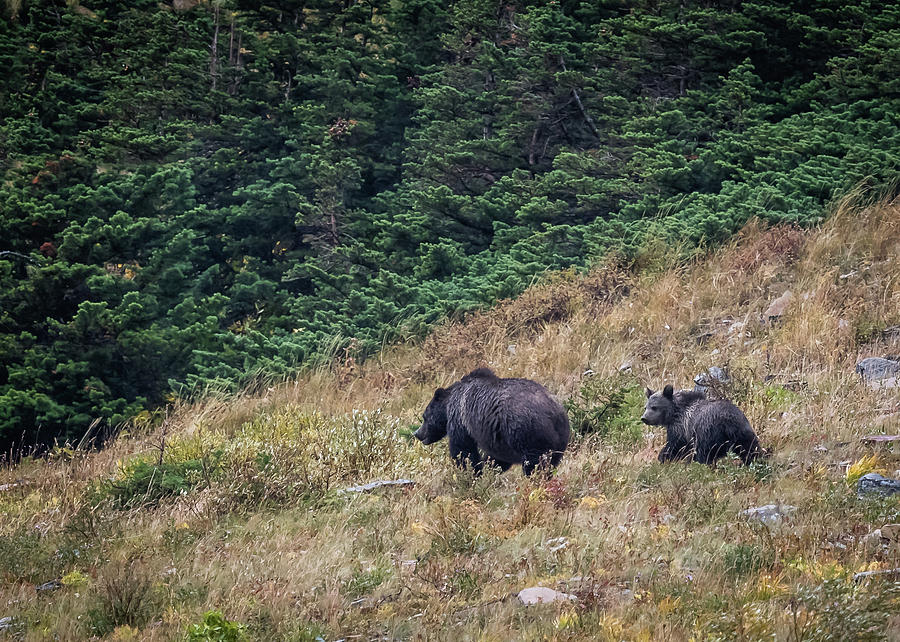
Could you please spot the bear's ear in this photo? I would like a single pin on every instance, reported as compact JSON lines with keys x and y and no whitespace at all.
{"x":668,"y":391}
{"x":440,"y":394}
{"x":649,"y":393}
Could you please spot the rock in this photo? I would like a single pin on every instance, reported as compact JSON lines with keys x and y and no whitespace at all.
{"x":770,"y":514}
{"x":888,"y":573}
{"x":878,"y":368}
{"x":820,"y":449}
{"x":891,"y":532}
{"x":625,"y":367}
{"x":52,"y":585}
{"x":885,"y":538}
{"x":880,"y":439}
{"x":709,"y":379}
{"x":777,"y":308}
{"x":511,"y":348}
{"x":873,"y":539}
{"x":5,"y":623}
{"x":873,"y":483}
{"x":557,"y":544}
{"x":377,"y":484}
{"x":887,"y":383}
{"x":11,"y":485}
{"x":542,"y":595}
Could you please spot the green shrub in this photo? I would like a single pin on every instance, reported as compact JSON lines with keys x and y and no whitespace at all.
{"x":364,"y":581}
{"x":743,"y":559}
{"x":145,"y":483}
{"x":215,"y":628}
{"x":608,"y":406}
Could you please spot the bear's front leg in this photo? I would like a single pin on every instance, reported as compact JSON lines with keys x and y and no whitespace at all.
{"x":464,"y":452}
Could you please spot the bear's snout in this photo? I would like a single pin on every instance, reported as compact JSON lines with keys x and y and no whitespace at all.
{"x":645,"y":420}
{"x":418,"y":435}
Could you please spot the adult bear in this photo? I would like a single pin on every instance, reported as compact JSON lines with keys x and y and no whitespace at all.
{"x":700,"y":427}
{"x":512,"y":421}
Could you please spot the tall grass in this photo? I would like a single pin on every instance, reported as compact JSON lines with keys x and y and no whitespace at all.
{"x":255,"y":527}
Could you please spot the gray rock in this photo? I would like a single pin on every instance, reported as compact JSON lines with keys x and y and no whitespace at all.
{"x":866,"y":575}
{"x":709,"y":379}
{"x":6,"y":623}
{"x":557,"y":544}
{"x":875,"y":484}
{"x":877,"y":368}
{"x":11,"y":485}
{"x":880,"y":439}
{"x":542,"y":595}
{"x":377,"y":484}
{"x":770,"y":514}
{"x":52,"y":585}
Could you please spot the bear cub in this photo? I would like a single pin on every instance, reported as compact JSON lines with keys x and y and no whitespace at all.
{"x":510,"y":421}
{"x":695,"y":425}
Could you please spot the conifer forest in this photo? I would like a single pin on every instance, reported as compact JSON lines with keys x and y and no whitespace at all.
{"x":200,"y":195}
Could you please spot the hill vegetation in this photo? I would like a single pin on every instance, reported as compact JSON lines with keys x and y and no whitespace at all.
{"x":200,"y":195}
{"x":226,"y":520}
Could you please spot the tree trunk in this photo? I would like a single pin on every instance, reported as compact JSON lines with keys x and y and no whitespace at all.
{"x":214,"y":51}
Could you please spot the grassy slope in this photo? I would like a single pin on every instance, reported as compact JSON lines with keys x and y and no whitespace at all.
{"x":653,"y":552}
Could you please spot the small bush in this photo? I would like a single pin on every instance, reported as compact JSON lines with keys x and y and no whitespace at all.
{"x":27,"y":556}
{"x":608,"y":406}
{"x":215,"y":628}
{"x":364,"y":581}
{"x":124,"y":597}
{"x":841,"y":609}
{"x":144,"y":483}
{"x":743,"y":559}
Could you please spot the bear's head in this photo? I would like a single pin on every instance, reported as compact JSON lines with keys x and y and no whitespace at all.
{"x":434,"y":423}
{"x":660,"y":407}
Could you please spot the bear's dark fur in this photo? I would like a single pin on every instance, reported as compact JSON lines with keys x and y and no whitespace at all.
{"x":700,"y":427}
{"x":511,"y":421}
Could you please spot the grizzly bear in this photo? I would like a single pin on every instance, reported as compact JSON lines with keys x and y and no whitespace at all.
{"x":700,"y":427}
{"x":511,"y":421}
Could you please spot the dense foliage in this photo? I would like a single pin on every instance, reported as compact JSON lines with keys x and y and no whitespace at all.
{"x":197,"y":192}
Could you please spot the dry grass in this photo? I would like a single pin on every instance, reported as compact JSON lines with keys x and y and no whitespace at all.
{"x":258,"y":530}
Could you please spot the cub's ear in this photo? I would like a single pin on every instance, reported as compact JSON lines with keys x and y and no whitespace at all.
{"x":668,"y":391}
{"x":649,"y":392}
{"x":440,"y":394}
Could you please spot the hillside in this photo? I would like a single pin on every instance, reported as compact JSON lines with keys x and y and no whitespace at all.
{"x":195,"y":194}
{"x":235,"y":505}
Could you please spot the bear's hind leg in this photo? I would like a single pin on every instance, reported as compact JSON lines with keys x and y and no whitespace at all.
{"x":502,"y":465}
{"x":464,"y":452}
{"x":555,"y":458}
{"x":749,"y":449}
{"x":545,"y":461}
{"x":710,"y":450}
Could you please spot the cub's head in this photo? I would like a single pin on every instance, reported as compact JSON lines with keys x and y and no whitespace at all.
{"x":434,"y":424}
{"x":660,"y":407}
